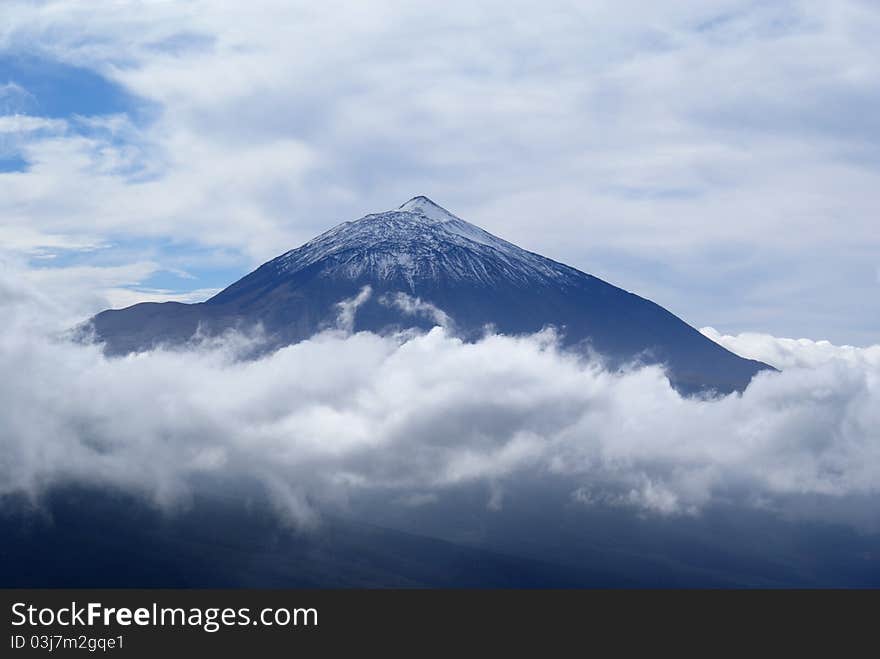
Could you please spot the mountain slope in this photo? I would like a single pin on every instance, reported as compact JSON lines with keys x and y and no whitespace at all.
{"x":423,"y":265}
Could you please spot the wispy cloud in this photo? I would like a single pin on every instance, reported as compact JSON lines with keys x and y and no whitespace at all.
{"x":18,"y":123}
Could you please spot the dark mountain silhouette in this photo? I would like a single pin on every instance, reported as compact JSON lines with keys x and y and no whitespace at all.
{"x":418,"y":266}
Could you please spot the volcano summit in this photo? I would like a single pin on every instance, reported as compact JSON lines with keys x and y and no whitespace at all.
{"x":417,"y":266}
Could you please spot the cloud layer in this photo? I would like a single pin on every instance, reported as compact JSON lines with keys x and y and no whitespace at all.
{"x":415,"y":416}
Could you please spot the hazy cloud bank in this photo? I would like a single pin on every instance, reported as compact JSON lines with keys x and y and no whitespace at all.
{"x":415,"y":415}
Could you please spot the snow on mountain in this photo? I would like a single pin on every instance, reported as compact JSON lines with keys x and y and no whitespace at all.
{"x":420,"y":240}
{"x":423,"y":206}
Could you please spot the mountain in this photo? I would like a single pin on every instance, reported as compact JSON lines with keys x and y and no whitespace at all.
{"x":92,"y":537}
{"x":420,"y":265}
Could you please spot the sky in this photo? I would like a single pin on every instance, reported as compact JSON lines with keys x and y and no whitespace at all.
{"x":721,"y":158}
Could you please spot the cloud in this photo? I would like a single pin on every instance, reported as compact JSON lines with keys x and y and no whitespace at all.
{"x":415,"y":306}
{"x":729,"y":146}
{"x":413,"y":417}
{"x":18,"y":123}
{"x":793,"y":353}
{"x":348,"y":309}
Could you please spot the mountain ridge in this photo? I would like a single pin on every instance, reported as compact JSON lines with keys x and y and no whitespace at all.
{"x":475,"y":278}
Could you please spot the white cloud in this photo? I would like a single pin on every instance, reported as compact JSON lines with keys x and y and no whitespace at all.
{"x":348,"y":308}
{"x":415,"y":306}
{"x":416,"y":416}
{"x":28,"y":241}
{"x":793,"y":353}
{"x":19,"y":123}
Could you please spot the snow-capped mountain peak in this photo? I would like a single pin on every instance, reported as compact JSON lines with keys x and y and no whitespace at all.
{"x":427,"y":208}
{"x":420,"y":240}
{"x":437,"y":261}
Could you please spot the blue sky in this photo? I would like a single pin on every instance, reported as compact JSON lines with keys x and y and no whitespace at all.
{"x":721,"y":158}
{"x":49,"y":88}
